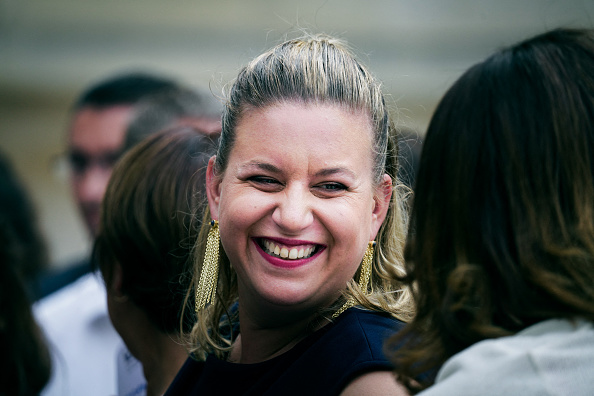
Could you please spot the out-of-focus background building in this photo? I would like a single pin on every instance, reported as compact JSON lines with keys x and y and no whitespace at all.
{"x":52,"y":49}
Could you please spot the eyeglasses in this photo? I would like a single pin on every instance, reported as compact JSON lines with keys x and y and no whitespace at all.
{"x":77,"y":163}
{"x":80,"y":163}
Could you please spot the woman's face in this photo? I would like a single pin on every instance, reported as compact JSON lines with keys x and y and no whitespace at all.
{"x":297,"y":203}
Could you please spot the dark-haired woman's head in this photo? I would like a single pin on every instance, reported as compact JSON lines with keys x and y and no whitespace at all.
{"x":147,"y":233}
{"x":503,"y":212}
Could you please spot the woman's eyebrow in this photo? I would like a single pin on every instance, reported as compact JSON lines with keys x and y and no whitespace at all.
{"x":274,"y":169}
{"x":334,"y":171}
{"x":262,"y":166}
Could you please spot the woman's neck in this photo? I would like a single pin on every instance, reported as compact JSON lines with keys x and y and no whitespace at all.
{"x":261,"y":339}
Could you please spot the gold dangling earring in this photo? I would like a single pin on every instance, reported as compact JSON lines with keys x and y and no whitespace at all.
{"x":366,"y":267}
{"x":209,"y":274}
{"x":364,"y":277}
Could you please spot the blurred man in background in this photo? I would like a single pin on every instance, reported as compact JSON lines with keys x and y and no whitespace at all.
{"x":100,"y":117}
{"x":82,"y":341}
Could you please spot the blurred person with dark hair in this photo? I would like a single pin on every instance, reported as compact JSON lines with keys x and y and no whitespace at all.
{"x":181,"y":106}
{"x":97,"y":132}
{"x":82,"y":340}
{"x":144,"y":246}
{"x":502,"y":253}
{"x":26,"y":364}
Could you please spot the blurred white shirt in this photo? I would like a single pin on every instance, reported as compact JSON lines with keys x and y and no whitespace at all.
{"x":81,"y":338}
{"x":131,"y":380}
{"x":553,"y":357}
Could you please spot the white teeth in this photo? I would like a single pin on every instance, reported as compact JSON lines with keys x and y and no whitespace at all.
{"x":293,"y":254}
{"x":286,"y":253}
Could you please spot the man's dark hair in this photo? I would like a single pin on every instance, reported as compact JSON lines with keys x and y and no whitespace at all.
{"x":125,"y":89}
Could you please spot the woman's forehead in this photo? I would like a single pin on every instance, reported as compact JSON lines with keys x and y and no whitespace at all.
{"x":296,"y":133}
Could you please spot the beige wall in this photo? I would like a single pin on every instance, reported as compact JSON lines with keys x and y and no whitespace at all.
{"x":51,"y":50}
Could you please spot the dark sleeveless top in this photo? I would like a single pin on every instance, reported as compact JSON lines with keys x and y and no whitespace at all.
{"x":322,"y":364}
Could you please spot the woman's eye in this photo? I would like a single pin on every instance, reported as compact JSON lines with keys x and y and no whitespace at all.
{"x":265,"y":183}
{"x":332,"y":187}
{"x":263,"y":180}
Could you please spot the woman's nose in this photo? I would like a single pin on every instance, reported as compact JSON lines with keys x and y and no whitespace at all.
{"x":293,"y":212}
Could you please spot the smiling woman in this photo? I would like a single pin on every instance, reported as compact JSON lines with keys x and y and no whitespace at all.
{"x":301,"y":194}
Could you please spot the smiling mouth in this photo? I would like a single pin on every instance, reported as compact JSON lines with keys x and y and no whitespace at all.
{"x":288,"y":252}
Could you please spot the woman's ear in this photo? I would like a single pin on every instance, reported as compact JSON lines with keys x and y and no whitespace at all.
{"x":213,"y":191}
{"x":382,"y":197}
{"x":117,"y":282}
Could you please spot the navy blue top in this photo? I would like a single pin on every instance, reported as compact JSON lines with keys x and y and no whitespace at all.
{"x":322,"y":364}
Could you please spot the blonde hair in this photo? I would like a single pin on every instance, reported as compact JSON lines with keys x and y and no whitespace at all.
{"x":312,"y":70}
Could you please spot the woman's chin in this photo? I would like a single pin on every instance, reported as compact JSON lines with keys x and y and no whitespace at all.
{"x":294,"y":298}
